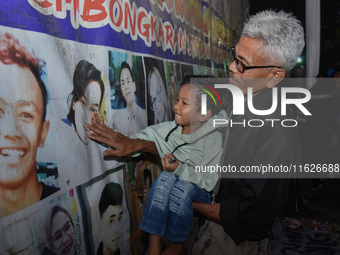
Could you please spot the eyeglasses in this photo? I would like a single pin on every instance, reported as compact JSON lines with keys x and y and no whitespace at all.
{"x":58,"y":236}
{"x":240,"y":66}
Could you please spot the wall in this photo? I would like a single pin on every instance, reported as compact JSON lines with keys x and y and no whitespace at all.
{"x":178,"y":37}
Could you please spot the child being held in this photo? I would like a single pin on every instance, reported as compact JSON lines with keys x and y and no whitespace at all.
{"x":188,"y":143}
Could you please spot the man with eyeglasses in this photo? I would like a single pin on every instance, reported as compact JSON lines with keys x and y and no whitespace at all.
{"x":246,"y":207}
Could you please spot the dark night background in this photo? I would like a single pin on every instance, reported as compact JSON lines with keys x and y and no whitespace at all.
{"x":304,"y":202}
{"x":330,"y":25}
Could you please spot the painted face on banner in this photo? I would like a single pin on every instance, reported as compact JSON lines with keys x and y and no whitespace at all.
{"x":111,"y":226}
{"x":173,"y":86}
{"x":83,"y":108}
{"x":22,"y":128}
{"x":63,"y":235}
{"x":158,"y":97}
{"x":127,"y":86}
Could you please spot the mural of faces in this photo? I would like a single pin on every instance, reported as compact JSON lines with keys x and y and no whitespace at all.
{"x":60,"y":232}
{"x":83,"y":108}
{"x":112,"y":221}
{"x":159,"y":102}
{"x":173,"y":86}
{"x":86,"y":97}
{"x":128,"y":86}
{"x":22,"y":128}
{"x":127,"y":82}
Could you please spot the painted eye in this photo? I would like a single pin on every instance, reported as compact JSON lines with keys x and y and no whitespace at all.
{"x":112,"y":219}
{"x":57,"y":237}
{"x":120,"y":217}
{"x":26,"y":115}
{"x":94,"y":109}
{"x":83,"y":101}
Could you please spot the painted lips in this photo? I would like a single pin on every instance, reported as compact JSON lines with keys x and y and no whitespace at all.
{"x":68,"y":248}
{"x":12,"y":152}
{"x":11,"y":155}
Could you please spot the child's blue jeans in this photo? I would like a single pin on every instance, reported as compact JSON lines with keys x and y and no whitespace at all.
{"x":169,"y":207}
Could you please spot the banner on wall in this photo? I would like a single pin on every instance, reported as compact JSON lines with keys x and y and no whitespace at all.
{"x":189,"y":31}
{"x":62,"y":60}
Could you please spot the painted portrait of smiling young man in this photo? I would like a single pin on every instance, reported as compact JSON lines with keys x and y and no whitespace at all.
{"x":23,"y":126}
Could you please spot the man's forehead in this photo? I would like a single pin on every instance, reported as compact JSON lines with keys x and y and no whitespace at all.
{"x":19,"y":85}
{"x":125,"y":73}
{"x":20,"y":103}
{"x":249,"y":46}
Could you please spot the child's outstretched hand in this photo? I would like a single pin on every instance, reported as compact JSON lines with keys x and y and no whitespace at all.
{"x":98,"y":131}
{"x":167,"y":166}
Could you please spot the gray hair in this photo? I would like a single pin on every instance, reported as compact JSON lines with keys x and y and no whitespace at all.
{"x":281,"y":33}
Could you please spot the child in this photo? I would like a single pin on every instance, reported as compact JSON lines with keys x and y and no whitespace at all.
{"x":189,"y":141}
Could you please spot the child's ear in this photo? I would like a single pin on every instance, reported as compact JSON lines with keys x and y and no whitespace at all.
{"x":205,"y":117}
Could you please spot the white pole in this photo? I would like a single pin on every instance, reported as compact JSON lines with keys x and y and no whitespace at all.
{"x":312,"y":41}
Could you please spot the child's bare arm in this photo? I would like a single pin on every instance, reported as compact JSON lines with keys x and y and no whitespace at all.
{"x":167,"y":165}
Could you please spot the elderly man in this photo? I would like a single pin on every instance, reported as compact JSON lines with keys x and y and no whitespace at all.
{"x":268,"y":48}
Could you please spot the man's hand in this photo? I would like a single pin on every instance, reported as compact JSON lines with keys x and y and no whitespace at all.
{"x":121,"y":144}
{"x":211,"y":211}
{"x":167,"y":166}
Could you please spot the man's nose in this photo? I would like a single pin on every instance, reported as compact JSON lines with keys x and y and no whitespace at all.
{"x":66,"y":237}
{"x":9,"y":126}
{"x":232,"y":67}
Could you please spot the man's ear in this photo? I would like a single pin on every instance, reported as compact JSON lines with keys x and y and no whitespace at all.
{"x":134,"y":87}
{"x":277,"y":75}
{"x":204,"y":118}
{"x":43,"y":134}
